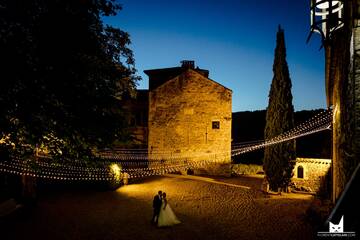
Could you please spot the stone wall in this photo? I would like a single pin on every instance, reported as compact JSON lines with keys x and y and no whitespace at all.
{"x":136,"y":110}
{"x":343,"y":92}
{"x":190,"y":118}
{"x":346,"y":114}
{"x":314,"y":172}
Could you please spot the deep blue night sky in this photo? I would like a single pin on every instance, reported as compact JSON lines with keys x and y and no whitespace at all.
{"x":233,"y":39}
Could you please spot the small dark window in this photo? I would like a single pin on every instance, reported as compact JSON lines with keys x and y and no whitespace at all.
{"x":132,"y":122}
{"x":138,"y":118}
{"x":300,"y":172}
{"x":215,"y":125}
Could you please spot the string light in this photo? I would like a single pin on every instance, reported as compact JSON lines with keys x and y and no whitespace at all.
{"x":138,"y":163}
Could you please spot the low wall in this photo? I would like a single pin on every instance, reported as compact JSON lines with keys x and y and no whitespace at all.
{"x":310,"y":174}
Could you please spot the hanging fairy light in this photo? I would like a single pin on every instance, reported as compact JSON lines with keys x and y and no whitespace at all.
{"x":134,"y":163}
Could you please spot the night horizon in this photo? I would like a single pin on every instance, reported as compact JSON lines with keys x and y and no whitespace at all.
{"x":182,"y":120}
{"x":234,"y":40}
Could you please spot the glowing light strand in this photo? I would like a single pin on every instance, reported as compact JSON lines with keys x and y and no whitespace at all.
{"x":136,"y":163}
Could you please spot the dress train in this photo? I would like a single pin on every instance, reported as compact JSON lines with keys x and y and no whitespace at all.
{"x":167,"y":216}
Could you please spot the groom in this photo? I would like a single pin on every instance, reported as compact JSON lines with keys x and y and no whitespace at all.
{"x":156,"y":205}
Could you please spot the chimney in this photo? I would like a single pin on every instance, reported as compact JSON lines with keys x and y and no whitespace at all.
{"x":187,"y":64}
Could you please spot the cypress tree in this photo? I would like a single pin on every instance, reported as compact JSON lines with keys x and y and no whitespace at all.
{"x":278,"y":164}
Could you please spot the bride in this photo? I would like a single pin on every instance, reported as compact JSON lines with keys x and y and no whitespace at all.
{"x":166,"y":216}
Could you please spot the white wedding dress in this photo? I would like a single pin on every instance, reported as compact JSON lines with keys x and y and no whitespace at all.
{"x":167,"y":216}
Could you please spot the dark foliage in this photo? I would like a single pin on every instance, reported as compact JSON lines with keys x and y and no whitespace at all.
{"x":62,"y":75}
{"x":278,"y":164}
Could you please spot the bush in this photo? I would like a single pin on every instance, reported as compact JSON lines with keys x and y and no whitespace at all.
{"x":246,"y":169}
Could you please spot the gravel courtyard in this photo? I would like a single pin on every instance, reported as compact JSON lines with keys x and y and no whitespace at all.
{"x":221,"y":208}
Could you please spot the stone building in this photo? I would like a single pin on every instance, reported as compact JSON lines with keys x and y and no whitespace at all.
{"x":138,"y":109}
{"x":342,"y":65}
{"x":311,"y":174}
{"x":338,"y":23}
{"x":188,"y":117}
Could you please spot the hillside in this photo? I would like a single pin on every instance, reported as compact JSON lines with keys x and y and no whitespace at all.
{"x":249,"y":126}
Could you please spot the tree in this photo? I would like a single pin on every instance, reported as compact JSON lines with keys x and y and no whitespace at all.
{"x":278,"y":159}
{"x":63,"y":73}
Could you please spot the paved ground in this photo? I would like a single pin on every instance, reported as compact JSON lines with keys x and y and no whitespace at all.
{"x":209,"y":209}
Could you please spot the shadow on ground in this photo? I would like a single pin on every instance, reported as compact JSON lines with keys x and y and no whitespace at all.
{"x":207,"y":210}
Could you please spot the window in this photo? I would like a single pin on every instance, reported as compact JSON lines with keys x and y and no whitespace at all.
{"x":216,"y":125}
{"x":132,"y":122}
{"x":138,"y":119}
{"x":300,"y":172}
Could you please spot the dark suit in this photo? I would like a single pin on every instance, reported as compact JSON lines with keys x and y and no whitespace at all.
{"x":156,"y":205}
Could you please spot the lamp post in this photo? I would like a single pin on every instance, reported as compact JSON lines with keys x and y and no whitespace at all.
{"x":326,"y":17}
{"x":324,"y":4}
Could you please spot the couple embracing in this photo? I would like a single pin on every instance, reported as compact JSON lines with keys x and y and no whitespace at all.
{"x":163,"y":214}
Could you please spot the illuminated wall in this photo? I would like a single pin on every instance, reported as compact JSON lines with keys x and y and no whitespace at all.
{"x":342,"y":54}
{"x":190,"y":117}
{"x":311,"y":173}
